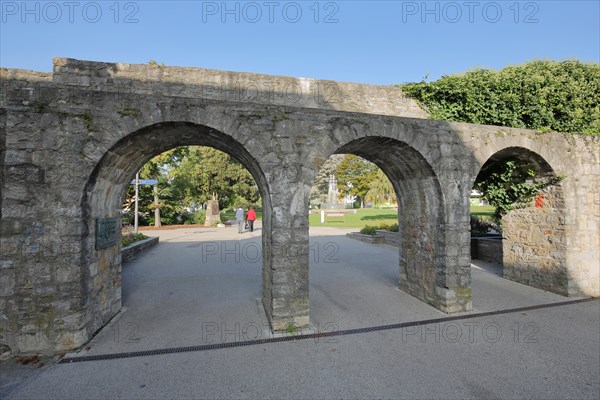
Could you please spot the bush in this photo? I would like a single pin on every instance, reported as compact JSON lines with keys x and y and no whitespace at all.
{"x":481,"y":226}
{"x":393,"y":228}
{"x":131,"y":238}
{"x":368,"y":230}
{"x":542,"y":95}
{"x":511,"y":184}
{"x":237,"y":200}
{"x":384,"y":227}
{"x":185,"y":218}
{"x":371,"y":230}
{"x":199,"y":217}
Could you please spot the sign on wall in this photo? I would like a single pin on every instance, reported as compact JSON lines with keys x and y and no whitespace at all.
{"x":106,"y":232}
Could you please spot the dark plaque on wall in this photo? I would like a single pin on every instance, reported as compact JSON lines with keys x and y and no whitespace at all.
{"x":106,"y":233}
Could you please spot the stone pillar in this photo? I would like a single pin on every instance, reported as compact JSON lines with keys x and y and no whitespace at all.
{"x":435,"y":240}
{"x":434,"y":251}
{"x":582,"y":227}
{"x":285,"y":290}
{"x":453,"y":283}
{"x":40,"y":274}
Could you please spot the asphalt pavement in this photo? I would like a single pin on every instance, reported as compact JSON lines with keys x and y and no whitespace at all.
{"x":200,"y":288}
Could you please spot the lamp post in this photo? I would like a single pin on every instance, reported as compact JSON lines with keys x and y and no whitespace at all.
{"x":137,"y":182}
{"x":137,"y":195}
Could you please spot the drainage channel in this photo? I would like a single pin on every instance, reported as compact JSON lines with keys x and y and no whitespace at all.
{"x":216,"y":346}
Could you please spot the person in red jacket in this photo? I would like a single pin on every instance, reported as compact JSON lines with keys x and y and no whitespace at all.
{"x":251,"y":217}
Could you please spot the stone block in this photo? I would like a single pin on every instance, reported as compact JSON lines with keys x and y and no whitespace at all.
{"x":28,"y":173}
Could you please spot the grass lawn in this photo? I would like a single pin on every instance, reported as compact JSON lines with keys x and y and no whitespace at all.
{"x":363,"y":217}
{"x":375,"y":217}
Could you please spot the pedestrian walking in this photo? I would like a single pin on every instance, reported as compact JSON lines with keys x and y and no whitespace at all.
{"x":251,"y":217}
{"x":239,"y":217}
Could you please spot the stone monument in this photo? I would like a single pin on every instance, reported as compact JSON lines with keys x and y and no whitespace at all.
{"x":212,"y":211}
{"x":332,"y":194}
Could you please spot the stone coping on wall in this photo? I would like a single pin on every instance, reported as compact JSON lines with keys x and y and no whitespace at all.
{"x":391,"y":238}
{"x":213,"y":84}
{"x":130,"y":252}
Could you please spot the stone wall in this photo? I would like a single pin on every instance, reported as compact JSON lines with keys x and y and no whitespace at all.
{"x":487,"y":249}
{"x":371,"y":239}
{"x":72,"y":141}
{"x":391,"y":238}
{"x":120,"y":79}
{"x":577,"y":159}
{"x":130,"y":252}
{"x":535,"y":243}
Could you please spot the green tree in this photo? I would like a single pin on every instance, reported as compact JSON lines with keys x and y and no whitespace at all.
{"x":380,"y":189}
{"x":320,"y":189}
{"x":542,"y":95}
{"x":204,"y":171}
{"x":156,"y":169}
{"x":155,"y":200}
{"x":355,"y":175}
{"x":187,"y":178}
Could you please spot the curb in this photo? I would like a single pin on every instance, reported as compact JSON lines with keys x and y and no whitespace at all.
{"x":131,"y":251}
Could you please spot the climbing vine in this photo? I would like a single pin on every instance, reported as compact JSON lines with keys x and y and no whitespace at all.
{"x":511,"y":184}
{"x":541,"y":95}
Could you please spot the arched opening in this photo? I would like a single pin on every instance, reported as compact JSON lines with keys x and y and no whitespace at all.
{"x":103,"y":199}
{"x":529,"y":215}
{"x":420,"y":211}
{"x":353,"y":253}
{"x":421,"y":268}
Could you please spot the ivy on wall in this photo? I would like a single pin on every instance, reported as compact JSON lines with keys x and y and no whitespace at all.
{"x":511,"y":184}
{"x":541,"y":95}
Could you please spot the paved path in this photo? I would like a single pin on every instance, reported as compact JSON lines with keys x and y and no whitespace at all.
{"x":200,"y":286}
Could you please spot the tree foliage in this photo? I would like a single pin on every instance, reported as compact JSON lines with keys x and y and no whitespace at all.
{"x":380,"y":189}
{"x":355,"y":175}
{"x":541,"y":95}
{"x":187,"y":178}
{"x":204,"y":171}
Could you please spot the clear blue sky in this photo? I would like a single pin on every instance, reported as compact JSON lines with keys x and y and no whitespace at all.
{"x":380,"y":42}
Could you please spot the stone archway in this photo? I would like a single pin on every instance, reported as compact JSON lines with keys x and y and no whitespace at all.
{"x":103,"y":197}
{"x":534,"y":238}
{"x":425,"y":271}
{"x":87,"y":126}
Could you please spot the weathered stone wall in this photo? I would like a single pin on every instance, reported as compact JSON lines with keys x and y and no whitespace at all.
{"x":74,"y":140}
{"x":198,"y":83}
{"x":535,"y":244}
{"x":577,"y":159}
{"x":487,"y":249}
{"x":391,"y":238}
